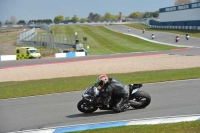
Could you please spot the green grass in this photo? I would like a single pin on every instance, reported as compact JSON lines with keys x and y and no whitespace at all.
{"x":193,"y":33}
{"x":8,"y":34}
{"x":50,"y":86}
{"x":7,"y":37}
{"x":7,"y":30}
{"x":104,"y":41}
{"x":62,"y":29}
{"x":181,"y":127}
{"x":42,"y":32}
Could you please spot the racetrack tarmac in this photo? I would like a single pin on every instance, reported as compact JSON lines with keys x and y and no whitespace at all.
{"x":164,"y":37}
{"x":168,"y":99}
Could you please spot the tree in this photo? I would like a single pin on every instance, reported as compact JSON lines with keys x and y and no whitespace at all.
{"x":67,"y":18}
{"x":151,"y":14}
{"x":59,"y":19}
{"x":91,"y":17}
{"x":7,"y":22}
{"x":13,"y":20}
{"x":21,"y":22}
{"x":83,"y":19}
{"x":109,"y":16}
{"x":156,"y":14}
{"x":147,"y":15}
{"x":48,"y":21}
{"x":97,"y":17}
{"x":180,"y":2}
{"x":75,"y":18}
{"x":136,"y":15}
{"x":0,"y":23}
{"x":94,"y":17}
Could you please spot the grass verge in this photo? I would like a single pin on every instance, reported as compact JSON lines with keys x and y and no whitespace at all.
{"x":104,"y":41}
{"x":7,"y":35}
{"x":193,"y":33}
{"x":181,"y":127}
{"x":58,"y":85}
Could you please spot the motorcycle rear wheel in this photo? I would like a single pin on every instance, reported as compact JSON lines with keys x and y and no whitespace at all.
{"x":142,"y":97}
{"x":85,"y":107}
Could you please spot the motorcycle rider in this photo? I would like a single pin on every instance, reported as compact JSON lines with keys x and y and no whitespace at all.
{"x":113,"y":89}
{"x":143,"y":30}
{"x":187,"y":36}
{"x":152,"y":36}
{"x":177,"y":38}
{"x":129,"y":29}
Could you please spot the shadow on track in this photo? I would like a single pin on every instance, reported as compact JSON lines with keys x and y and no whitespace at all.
{"x":105,"y":112}
{"x":91,"y":114}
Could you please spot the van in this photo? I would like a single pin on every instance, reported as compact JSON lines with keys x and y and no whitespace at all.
{"x":27,"y":53}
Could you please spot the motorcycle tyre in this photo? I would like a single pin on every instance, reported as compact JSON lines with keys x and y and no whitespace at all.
{"x":141,"y":94}
{"x":83,"y":110}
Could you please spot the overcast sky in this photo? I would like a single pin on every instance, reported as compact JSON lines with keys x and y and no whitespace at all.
{"x":48,"y":9}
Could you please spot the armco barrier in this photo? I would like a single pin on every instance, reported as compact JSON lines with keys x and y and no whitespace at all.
{"x":70,"y":54}
{"x":7,"y":57}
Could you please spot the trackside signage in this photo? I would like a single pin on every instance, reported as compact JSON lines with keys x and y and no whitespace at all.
{"x":180,"y":7}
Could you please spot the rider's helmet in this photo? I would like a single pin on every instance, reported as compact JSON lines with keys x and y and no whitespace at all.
{"x":102,"y":80}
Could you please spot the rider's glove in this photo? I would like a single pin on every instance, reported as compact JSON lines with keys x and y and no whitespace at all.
{"x":96,"y":84}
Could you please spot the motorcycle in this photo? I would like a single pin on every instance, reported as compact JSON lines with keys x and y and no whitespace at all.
{"x":152,"y":37}
{"x":177,"y":39}
{"x":91,"y":100}
{"x":187,"y":37}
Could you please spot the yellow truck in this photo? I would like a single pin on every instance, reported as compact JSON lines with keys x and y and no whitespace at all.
{"x":27,"y":53}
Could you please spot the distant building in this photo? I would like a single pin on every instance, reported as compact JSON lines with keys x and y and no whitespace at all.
{"x":121,"y":17}
{"x":181,"y":15}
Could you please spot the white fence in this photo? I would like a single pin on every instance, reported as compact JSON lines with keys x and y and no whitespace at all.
{"x":177,"y":27}
{"x":7,"y":57}
{"x":174,"y":27}
{"x":45,"y":27}
{"x":26,"y":35}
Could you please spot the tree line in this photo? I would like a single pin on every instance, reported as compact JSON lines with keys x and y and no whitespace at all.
{"x":180,"y":2}
{"x":41,"y":21}
{"x":106,"y":17}
{"x":93,"y":16}
{"x":23,"y":22}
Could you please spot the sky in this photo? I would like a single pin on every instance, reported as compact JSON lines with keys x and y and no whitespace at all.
{"x":48,"y":9}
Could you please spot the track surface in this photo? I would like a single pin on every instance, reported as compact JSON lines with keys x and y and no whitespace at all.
{"x":169,"y":98}
{"x":159,"y":36}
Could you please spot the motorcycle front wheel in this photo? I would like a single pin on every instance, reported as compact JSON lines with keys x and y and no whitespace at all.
{"x":141,"y":97}
{"x":85,"y":107}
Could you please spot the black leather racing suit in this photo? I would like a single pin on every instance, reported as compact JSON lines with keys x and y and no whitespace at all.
{"x":116,"y":90}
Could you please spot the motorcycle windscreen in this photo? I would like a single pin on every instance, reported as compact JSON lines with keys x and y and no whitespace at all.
{"x":91,"y":91}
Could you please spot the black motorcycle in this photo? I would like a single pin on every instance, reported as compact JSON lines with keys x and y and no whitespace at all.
{"x":91,"y":100}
